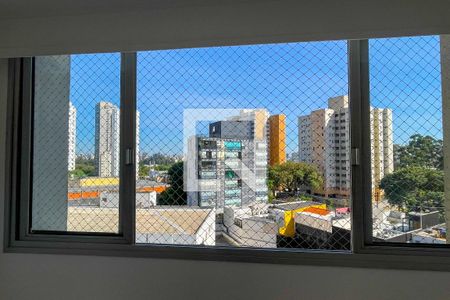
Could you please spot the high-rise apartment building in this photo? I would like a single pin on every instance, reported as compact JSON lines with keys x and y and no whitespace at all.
{"x":229,"y":167}
{"x":324,"y":141}
{"x":382,"y":145}
{"x":277,"y":139}
{"x":259,"y":118}
{"x":72,"y":136}
{"x":107,"y":139}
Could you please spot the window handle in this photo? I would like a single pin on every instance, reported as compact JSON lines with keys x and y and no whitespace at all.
{"x":355,"y":156}
{"x":129,"y":157}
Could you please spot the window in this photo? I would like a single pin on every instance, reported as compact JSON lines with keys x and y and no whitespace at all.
{"x":201,"y":146}
{"x":232,"y":145}
{"x":76,"y":144}
{"x":208,"y":154}
{"x":406,"y":122}
{"x":229,"y":174}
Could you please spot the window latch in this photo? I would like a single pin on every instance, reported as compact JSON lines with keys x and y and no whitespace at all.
{"x":355,"y":156}
{"x":129,"y":157}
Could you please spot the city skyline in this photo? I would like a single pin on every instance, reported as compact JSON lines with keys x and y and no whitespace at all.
{"x":245,"y":77}
{"x":230,"y":165}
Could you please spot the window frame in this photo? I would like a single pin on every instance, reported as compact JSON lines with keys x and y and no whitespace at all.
{"x":22,"y":93}
{"x":363,"y":253}
{"x":364,"y":242}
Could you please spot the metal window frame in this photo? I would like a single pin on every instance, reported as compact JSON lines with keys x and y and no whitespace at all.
{"x":360,"y":142}
{"x":21,"y":125}
{"x":364,"y":253}
{"x":361,"y":181}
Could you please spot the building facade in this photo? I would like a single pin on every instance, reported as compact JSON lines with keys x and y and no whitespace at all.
{"x":324,"y":141}
{"x":107,"y":140}
{"x":72,"y":135}
{"x":277,"y":139}
{"x":382,"y":147}
{"x":229,"y":167}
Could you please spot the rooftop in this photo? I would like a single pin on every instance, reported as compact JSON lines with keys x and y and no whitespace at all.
{"x":171,"y":220}
{"x":294,"y":205}
{"x":437,"y":232}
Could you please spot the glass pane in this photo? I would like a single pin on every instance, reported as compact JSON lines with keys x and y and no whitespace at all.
{"x":76,"y":143}
{"x":245,"y":146}
{"x":408,"y":199}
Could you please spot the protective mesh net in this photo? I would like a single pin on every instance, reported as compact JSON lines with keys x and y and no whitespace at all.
{"x":407,"y":140}
{"x":76,"y":143}
{"x":245,"y":146}
{"x":242,"y":146}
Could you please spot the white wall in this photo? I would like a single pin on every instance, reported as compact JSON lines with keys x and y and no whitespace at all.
{"x":30,"y":276}
{"x":206,"y":234}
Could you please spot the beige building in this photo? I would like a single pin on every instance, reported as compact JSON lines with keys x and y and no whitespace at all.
{"x":259,"y":117}
{"x":382,"y":147}
{"x":324,"y":140}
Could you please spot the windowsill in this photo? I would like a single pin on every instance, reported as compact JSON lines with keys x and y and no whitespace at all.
{"x":371,"y":257}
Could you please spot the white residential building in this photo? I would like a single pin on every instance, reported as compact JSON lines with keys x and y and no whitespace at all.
{"x":251,"y":226}
{"x":107,"y":140}
{"x":324,"y":140}
{"x":72,"y":136}
{"x":229,"y":167}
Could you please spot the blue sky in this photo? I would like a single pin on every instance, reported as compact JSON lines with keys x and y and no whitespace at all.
{"x":293,"y":79}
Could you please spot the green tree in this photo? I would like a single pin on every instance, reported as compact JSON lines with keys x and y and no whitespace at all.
{"x":144,"y":170}
{"x":415,"y":188}
{"x":77,"y":173}
{"x":82,"y":170}
{"x":271,"y":187}
{"x":421,"y":151}
{"x":292,"y":176}
{"x":175,"y":194}
{"x":83,"y":167}
{"x":162,"y":167}
{"x":89,"y":170}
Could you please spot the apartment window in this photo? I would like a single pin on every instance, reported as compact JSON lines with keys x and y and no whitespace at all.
{"x":208,"y":195}
{"x":208,"y":174}
{"x":75,"y":145}
{"x":408,"y":195}
{"x":208,"y":154}
{"x":167,"y":147}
